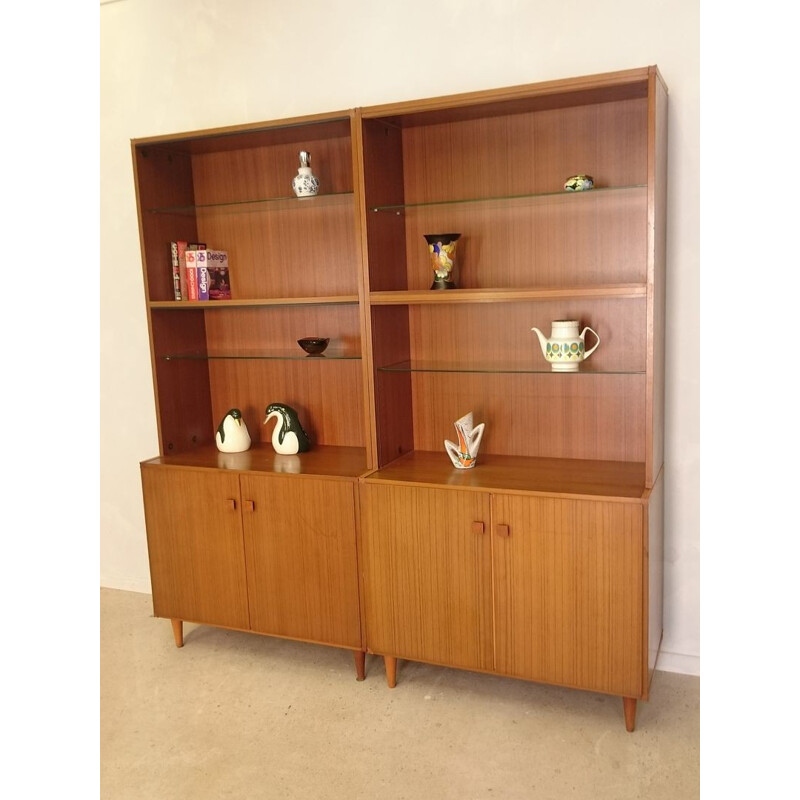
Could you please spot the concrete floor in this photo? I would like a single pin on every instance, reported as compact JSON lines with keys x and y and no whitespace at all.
{"x":235,"y":715}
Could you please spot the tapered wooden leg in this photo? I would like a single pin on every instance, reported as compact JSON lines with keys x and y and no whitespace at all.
{"x":629,"y":707}
{"x":391,"y":670}
{"x":177,"y":632}
{"x":361,"y":659}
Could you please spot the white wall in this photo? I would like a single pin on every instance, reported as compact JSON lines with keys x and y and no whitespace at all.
{"x":265,"y":59}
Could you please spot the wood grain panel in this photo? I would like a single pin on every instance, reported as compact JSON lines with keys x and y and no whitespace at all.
{"x":383,"y":185}
{"x":184,"y":406}
{"x":653,"y":608}
{"x":568,"y":589}
{"x":393,"y":392}
{"x":526,"y":153}
{"x":657,"y":268}
{"x":300,"y":540}
{"x":322,"y":460}
{"x":575,"y":416}
{"x":232,"y":331}
{"x":501,"y":335}
{"x":327,"y":393}
{"x":163,"y":179}
{"x":591,"y":240}
{"x":290,"y":130}
{"x":595,"y":238}
{"x":195,"y":545}
{"x":427,"y":575}
{"x":615,"y":480}
{"x":307,"y":247}
{"x":565,"y":93}
{"x":327,"y":396}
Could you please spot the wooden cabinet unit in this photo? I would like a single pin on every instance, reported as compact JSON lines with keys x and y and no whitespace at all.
{"x":539,"y":555}
{"x":244,"y":549}
{"x":288,"y":562}
{"x":544,"y":561}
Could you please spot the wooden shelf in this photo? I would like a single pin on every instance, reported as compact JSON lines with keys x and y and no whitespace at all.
{"x":574,"y":478}
{"x":322,"y":461}
{"x":176,"y":305}
{"x":427,"y":296}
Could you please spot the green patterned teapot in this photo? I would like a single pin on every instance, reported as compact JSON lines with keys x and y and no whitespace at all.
{"x":565,"y":348}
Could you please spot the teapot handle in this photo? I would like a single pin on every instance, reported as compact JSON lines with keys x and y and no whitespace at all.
{"x":587,"y":353}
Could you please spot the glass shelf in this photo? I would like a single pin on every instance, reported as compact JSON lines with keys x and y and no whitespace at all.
{"x":519,"y":199}
{"x":266,"y":355}
{"x":288,"y":203}
{"x":498,"y":368}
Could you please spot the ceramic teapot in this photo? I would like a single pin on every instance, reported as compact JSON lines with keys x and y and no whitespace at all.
{"x":565,"y":348}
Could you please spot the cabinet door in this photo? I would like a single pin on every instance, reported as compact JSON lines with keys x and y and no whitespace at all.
{"x":300,"y":540}
{"x":194,"y":538}
{"x":568,"y":592}
{"x":427,"y":574}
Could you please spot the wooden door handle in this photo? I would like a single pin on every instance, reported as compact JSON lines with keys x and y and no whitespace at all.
{"x":250,"y":505}
{"x":231,"y":504}
{"x":503,"y":530}
{"x":478,"y":527}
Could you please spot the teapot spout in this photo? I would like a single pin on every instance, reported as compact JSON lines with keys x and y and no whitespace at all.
{"x":542,"y":340}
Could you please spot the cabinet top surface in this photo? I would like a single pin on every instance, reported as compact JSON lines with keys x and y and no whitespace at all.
{"x":548,"y":476}
{"x":585,"y":90}
{"x":322,"y":461}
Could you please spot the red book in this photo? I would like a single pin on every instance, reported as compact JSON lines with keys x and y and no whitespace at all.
{"x":182,"y":248}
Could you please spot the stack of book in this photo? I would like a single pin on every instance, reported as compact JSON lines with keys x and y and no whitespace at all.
{"x":199,"y":273}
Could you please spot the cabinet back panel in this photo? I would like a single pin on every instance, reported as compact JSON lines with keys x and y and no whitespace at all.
{"x":393,"y":398}
{"x":500,"y":334}
{"x":552,"y":416}
{"x":383,"y":185}
{"x":163,"y":179}
{"x":182,"y":386}
{"x":327,"y":396}
{"x":526,"y":153}
{"x":586,"y":240}
{"x":277,"y":328}
{"x":295,"y":251}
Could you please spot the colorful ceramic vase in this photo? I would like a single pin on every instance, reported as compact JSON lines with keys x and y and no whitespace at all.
{"x":442,"y":249}
{"x":465,"y":453}
{"x":565,"y":348}
{"x":305,"y":183}
{"x":579,"y":183}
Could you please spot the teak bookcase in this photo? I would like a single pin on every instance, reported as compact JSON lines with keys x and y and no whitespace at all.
{"x":544,"y":562}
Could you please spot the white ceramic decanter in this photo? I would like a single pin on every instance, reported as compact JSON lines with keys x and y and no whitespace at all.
{"x":305,"y":183}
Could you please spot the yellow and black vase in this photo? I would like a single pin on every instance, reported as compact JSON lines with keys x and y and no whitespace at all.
{"x":442,"y":249}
